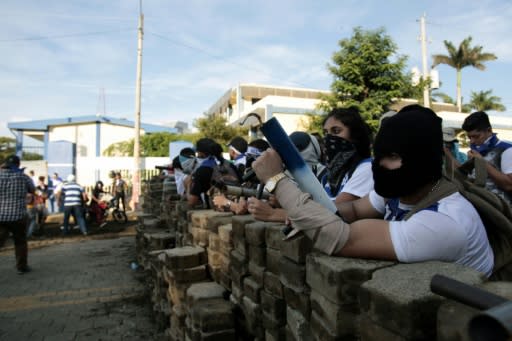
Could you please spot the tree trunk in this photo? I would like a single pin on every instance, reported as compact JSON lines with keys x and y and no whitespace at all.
{"x":459,"y":95}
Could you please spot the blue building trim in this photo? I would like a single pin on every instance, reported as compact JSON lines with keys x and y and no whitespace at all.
{"x":46,"y":140}
{"x":98,"y":139}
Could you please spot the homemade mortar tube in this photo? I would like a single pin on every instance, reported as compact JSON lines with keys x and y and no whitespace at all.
{"x":295,"y":164}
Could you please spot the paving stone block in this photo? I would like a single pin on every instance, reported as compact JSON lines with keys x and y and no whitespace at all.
{"x":238,"y":224}
{"x":226,"y":233}
{"x":339,"y":278}
{"x":200,"y":218}
{"x":298,"y":325}
{"x":194,"y":274}
{"x":275,"y":334}
{"x":256,"y":272}
{"x":257,"y":255}
{"x":255,"y":233}
{"x":399,"y":299}
{"x":214,"y":258}
{"x":370,"y":331}
{"x":321,"y":332}
{"x":214,"y":242}
{"x":273,"y":257}
{"x":185,"y":257}
{"x":252,"y":289}
{"x":291,"y":274}
{"x":297,"y":248}
{"x":252,"y":313}
{"x":272,"y":284}
{"x":298,"y":300}
{"x":274,"y":236}
{"x":275,"y":308}
{"x":199,"y":292}
{"x":336,"y":319}
{"x":215,"y":222}
{"x":212,"y":315}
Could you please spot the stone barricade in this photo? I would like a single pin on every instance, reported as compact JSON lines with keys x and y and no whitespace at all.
{"x":234,"y":278}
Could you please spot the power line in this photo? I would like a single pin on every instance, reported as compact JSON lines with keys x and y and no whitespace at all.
{"x":216,"y":56}
{"x":63,"y":36}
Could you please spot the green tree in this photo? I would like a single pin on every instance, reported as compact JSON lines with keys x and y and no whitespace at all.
{"x":484,"y":100}
{"x":7,"y":147}
{"x":216,"y":127}
{"x":156,"y":144}
{"x":459,"y":58}
{"x":368,"y":74}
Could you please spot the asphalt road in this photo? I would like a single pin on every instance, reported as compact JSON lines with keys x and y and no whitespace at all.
{"x":80,"y":288}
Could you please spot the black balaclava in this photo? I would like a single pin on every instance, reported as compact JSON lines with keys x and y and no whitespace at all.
{"x":415,"y":134}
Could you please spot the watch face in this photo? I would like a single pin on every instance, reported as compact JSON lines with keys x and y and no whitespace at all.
{"x":270,"y":185}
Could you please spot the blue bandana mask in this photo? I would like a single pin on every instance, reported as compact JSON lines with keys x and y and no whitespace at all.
{"x":485,"y":147}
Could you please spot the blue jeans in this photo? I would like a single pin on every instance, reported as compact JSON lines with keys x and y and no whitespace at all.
{"x":79,"y":215}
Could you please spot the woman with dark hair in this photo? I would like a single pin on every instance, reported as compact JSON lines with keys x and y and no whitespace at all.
{"x":347,"y":141}
{"x":98,"y":206}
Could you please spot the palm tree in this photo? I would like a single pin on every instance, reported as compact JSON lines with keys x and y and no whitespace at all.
{"x":483,"y":100}
{"x":459,"y":58}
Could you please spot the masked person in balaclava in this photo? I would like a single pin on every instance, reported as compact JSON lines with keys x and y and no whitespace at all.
{"x":347,"y":141}
{"x":408,"y":153}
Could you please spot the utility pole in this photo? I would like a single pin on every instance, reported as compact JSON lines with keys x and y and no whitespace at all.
{"x":426,"y":77}
{"x":136,"y":144}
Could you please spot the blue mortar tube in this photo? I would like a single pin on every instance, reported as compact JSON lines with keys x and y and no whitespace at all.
{"x":295,"y":164}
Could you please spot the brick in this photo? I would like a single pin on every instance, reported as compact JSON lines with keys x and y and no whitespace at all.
{"x":214,"y":222}
{"x":336,"y":319}
{"x":297,"y":248}
{"x":274,"y":307}
{"x":226,"y":233}
{"x":252,"y":289}
{"x":272,"y":284}
{"x":255,"y":233}
{"x":252,"y":312}
{"x":212,"y":315}
{"x":257,"y":255}
{"x":200,"y":218}
{"x":339,"y":278}
{"x":291,"y":274}
{"x":214,"y":258}
{"x":256,"y":272}
{"x":273,"y":257}
{"x":194,"y":274}
{"x":399,"y":299}
{"x":297,"y":325}
{"x":213,"y":242}
{"x":185,"y":257}
{"x":274,"y":236}
{"x":298,"y":300}
{"x":238,"y":224}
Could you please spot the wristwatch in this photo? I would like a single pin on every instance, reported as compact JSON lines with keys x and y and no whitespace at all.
{"x":271,"y":184}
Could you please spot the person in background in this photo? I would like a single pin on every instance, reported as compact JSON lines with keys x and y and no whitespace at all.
{"x":183,"y":165}
{"x":485,"y":144}
{"x":347,"y":141}
{"x":40,"y":196}
{"x":237,"y":149}
{"x":74,"y":197}
{"x":200,"y":181}
{"x":451,"y":148}
{"x":98,"y":206}
{"x":33,"y":176}
{"x":14,"y":187}
{"x":119,"y":190}
{"x":53,"y":183}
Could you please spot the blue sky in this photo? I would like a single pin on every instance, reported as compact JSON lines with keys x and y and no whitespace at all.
{"x":57,"y":56}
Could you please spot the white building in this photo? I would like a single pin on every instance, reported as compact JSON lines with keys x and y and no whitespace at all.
{"x":75,"y":145}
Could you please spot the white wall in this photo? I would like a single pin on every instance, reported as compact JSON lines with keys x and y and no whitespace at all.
{"x":91,"y":169}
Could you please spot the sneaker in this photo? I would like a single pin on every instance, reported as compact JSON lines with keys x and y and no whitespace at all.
{"x":62,"y":227}
{"x":76,"y":227}
{"x":85,"y":233}
{"x":103,"y":224}
{"x":24,"y":270}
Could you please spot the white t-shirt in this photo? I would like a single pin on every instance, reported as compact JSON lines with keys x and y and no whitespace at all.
{"x":450,"y":230}
{"x":359,"y":184}
{"x":506,"y":161}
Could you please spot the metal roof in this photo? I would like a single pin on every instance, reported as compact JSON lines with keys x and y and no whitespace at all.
{"x":43,"y":125}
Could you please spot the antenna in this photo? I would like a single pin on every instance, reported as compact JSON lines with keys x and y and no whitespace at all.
{"x":100,"y":106}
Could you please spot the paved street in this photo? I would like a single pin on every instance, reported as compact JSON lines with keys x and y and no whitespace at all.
{"x":79,"y":289}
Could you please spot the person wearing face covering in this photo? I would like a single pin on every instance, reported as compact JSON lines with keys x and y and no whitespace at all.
{"x":183,"y":165}
{"x":347,"y":141}
{"x":484,"y":144}
{"x":407,"y":166}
